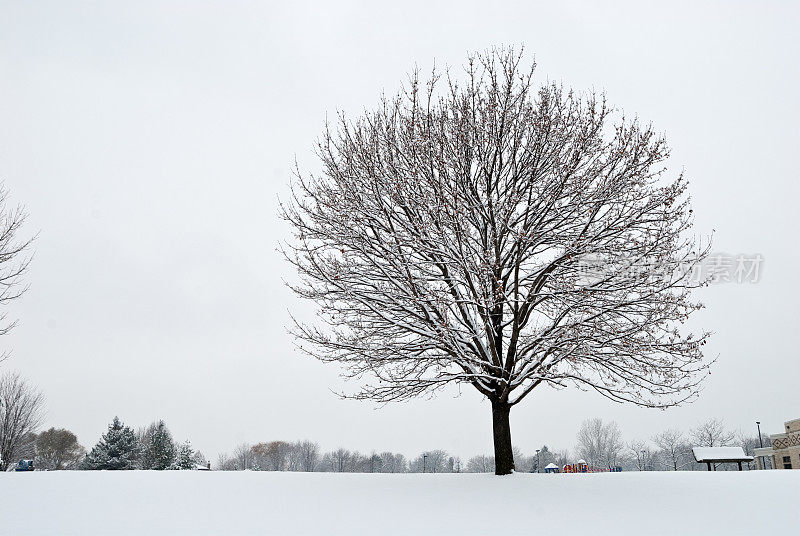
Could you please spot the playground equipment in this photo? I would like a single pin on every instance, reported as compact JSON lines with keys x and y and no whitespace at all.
{"x":578,"y":467}
{"x":551,"y":468}
{"x":24,"y":465}
{"x":581,"y":467}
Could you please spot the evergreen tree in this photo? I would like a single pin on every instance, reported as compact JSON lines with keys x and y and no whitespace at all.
{"x":158,"y":449}
{"x":184,"y":459}
{"x":199,"y":460}
{"x":117,"y":449}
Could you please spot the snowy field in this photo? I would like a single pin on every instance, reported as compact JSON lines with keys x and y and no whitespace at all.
{"x":233,"y":503}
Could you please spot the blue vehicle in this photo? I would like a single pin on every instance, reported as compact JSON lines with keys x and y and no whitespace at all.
{"x":25,"y":465}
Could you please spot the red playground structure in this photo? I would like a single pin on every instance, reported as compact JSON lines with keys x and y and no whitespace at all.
{"x":580,"y":467}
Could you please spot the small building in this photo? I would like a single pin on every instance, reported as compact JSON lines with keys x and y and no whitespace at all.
{"x":785,"y":449}
{"x":551,"y":468}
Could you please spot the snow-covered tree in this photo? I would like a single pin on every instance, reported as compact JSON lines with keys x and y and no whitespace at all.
{"x":338,"y":461}
{"x":226,"y":463}
{"x":374,"y":463}
{"x":498,"y":235}
{"x":672,"y":447}
{"x":750,"y":443}
{"x":538,"y":461}
{"x":561,"y":457}
{"x":271,"y":456}
{"x":184,"y":457}
{"x":307,"y":454}
{"x":243,"y":458}
{"x":480,"y":464}
{"x":600,"y":444}
{"x":642,"y":455}
{"x":433,"y":461}
{"x":117,"y":449}
{"x":393,"y":463}
{"x":158,"y":448}
{"x":199,"y":459}
{"x":522,"y":462}
{"x":545,"y":458}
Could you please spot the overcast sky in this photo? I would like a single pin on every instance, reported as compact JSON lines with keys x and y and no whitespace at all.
{"x":150,"y":143}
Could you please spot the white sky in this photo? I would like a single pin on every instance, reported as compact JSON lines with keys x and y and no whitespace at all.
{"x":151,"y":141}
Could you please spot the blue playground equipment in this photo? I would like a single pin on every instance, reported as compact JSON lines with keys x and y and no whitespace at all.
{"x":25,"y":465}
{"x":551,"y":468}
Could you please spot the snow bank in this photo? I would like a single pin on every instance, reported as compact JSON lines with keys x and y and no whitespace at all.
{"x":242,"y":503}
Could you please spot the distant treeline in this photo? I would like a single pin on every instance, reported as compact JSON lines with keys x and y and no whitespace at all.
{"x":153,"y":447}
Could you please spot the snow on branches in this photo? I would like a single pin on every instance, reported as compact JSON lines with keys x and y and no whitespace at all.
{"x":446,"y":240}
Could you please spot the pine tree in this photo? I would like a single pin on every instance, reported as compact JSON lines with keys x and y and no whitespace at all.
{"x":185,"y":457}
{"x":158,"y":449}
{"x":116,"y":450}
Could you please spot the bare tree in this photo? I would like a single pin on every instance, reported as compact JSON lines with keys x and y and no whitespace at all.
{"x":433,"y":461}
{"x":271,"y":456}
{"x":447,"y":238}
{"x":373,"y":463}
{"x":20,"y":415}
{"x":359,"y":463}
{"x":58,"y":449}
{"x":600,"y":444}
{"x":14,"y":260}
{"x":339,"y":461}
{"x":480,"y":464}
{"x":711,"y":433}
{"x":671,"y":442}
{"x":561,"y":458}
{"x":242,"y":459}
{"x":750,"y":443}
{"x":522,"y":462}
{"x":226,"y":463}
{"x":308,"y":455}
{"x":393,"y":463}
{"x":642,"y":454}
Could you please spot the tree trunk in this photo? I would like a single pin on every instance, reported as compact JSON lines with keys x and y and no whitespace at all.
{"x":503,"y":454}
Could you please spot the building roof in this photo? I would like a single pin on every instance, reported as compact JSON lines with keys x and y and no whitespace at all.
{"x":551,"y":466}
{"x":720,"y":454}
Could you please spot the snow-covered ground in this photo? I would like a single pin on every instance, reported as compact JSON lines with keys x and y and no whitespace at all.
{"x":233,"y":503}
